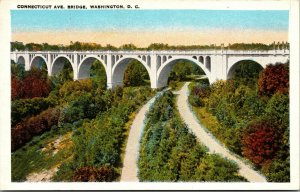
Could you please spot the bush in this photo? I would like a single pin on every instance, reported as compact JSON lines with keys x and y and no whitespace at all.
{"x":261,"y":141}
{"x":278,"y":107}
{"x":278,"y":170}
{"x":194,"y":100}
{"x":200,"y":90}
{"x":28,"y":107}
{"x":24,"y":131}
{"x":34,"y":84}
{"x":274,"y":78}
{"x":215,"y":168}
{"x":92,"y":174}
{"x":16,"y":88}
{"x":71,"y":90}
{"x":173,"y":84}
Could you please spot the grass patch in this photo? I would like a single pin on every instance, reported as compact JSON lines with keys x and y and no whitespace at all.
{"x":37,"y":155}
{"x":208,"y":120}
{"x":176,"y":85}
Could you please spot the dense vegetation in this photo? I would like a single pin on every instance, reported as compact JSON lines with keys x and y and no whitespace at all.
{"x":169,"y":152}
{"x":183,"y":71}
{"x":92,"y":123}
{"x":136,"y":75}
{"x":99,"y":142}
{"x":30,"y":84}
{"x":250,"y":115}
{"x":84,"y":46}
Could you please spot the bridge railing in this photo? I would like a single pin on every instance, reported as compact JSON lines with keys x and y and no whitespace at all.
{"x":163,"y":52}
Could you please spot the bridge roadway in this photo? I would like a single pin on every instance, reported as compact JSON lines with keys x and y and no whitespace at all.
{"x":216,"y":64}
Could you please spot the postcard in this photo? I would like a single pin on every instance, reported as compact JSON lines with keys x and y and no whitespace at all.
{"x":149,"y":95}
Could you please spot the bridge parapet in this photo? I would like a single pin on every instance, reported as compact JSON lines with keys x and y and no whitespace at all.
{"x":163,"y":52}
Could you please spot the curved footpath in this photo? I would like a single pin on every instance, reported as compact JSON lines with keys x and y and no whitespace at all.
{"x":130,"y":166}
{"x":207,"y":139}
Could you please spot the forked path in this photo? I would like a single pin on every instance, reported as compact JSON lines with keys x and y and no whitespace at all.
{"x":130,"y":167}
{"x":205,"y":138}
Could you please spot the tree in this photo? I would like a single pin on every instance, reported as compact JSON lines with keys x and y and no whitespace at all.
{"x":16,"y":88}
{"x":128,"y":47}
{"x":274,"y":78}
{"x":136,"y":74}
{"x":23,"y":108}
{"x":36,"y":84}
{"x":17,"y":46}
{"x":32,"y":126}
{"x":247,"y":72}
{"x":261,"y":141}
{"x":18,"y":70}
{"x":98,"y":74}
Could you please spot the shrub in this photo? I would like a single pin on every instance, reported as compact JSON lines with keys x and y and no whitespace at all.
{"x":35,"y":84}
{"x":261,"y":141}
{"x":173,"y":84}
{"x":278,"y":107}
{"x":278,"y":170}
{"x":88,"y":174}
{"x":28,"y":107}
{"x":33,"y":126}
{"x":215,"y":168}
{"x":194,"y":100}
{"x":201,"y":90}
{"x":16,"y":88}
{"x":274,"y":78}
{"x":74,"y":89}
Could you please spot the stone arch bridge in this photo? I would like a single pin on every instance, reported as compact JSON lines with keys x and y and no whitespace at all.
{"x":217,"y":64}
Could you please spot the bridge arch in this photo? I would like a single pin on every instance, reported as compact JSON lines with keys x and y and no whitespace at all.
{"x":37,"y":61}
{"x":119,"y":68}
{"x":21,"y":60}
{"x":84,"y":68}
{"x":233,"y":65}
{"x":59,"y":63}
{"x":164,"y":71}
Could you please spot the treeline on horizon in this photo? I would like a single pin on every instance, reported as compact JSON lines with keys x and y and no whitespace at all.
{"x":83,"y":46}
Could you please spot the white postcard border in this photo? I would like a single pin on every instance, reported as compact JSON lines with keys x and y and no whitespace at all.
{"x":5,"y":38}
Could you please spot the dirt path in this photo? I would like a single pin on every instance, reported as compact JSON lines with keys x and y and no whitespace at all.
{"x":43,"y":176}
{"x":130,"y":167}
{"x":206,"y":138}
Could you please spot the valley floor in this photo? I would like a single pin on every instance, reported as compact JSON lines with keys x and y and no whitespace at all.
{"x":208,"y":140}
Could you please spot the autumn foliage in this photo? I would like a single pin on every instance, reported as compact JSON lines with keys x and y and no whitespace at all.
{"x":34,"y":84}
{"x":16,"y":88}
{"x":261,"y":141}
{"x":24,"y":131}
{"x":274,"y":78}
{"x":88,"y":174}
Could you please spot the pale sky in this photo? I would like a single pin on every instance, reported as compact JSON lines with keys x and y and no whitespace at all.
{"x":143,"y":27}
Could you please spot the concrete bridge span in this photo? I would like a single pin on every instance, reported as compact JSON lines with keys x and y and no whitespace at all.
{"x":217,"y":64}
